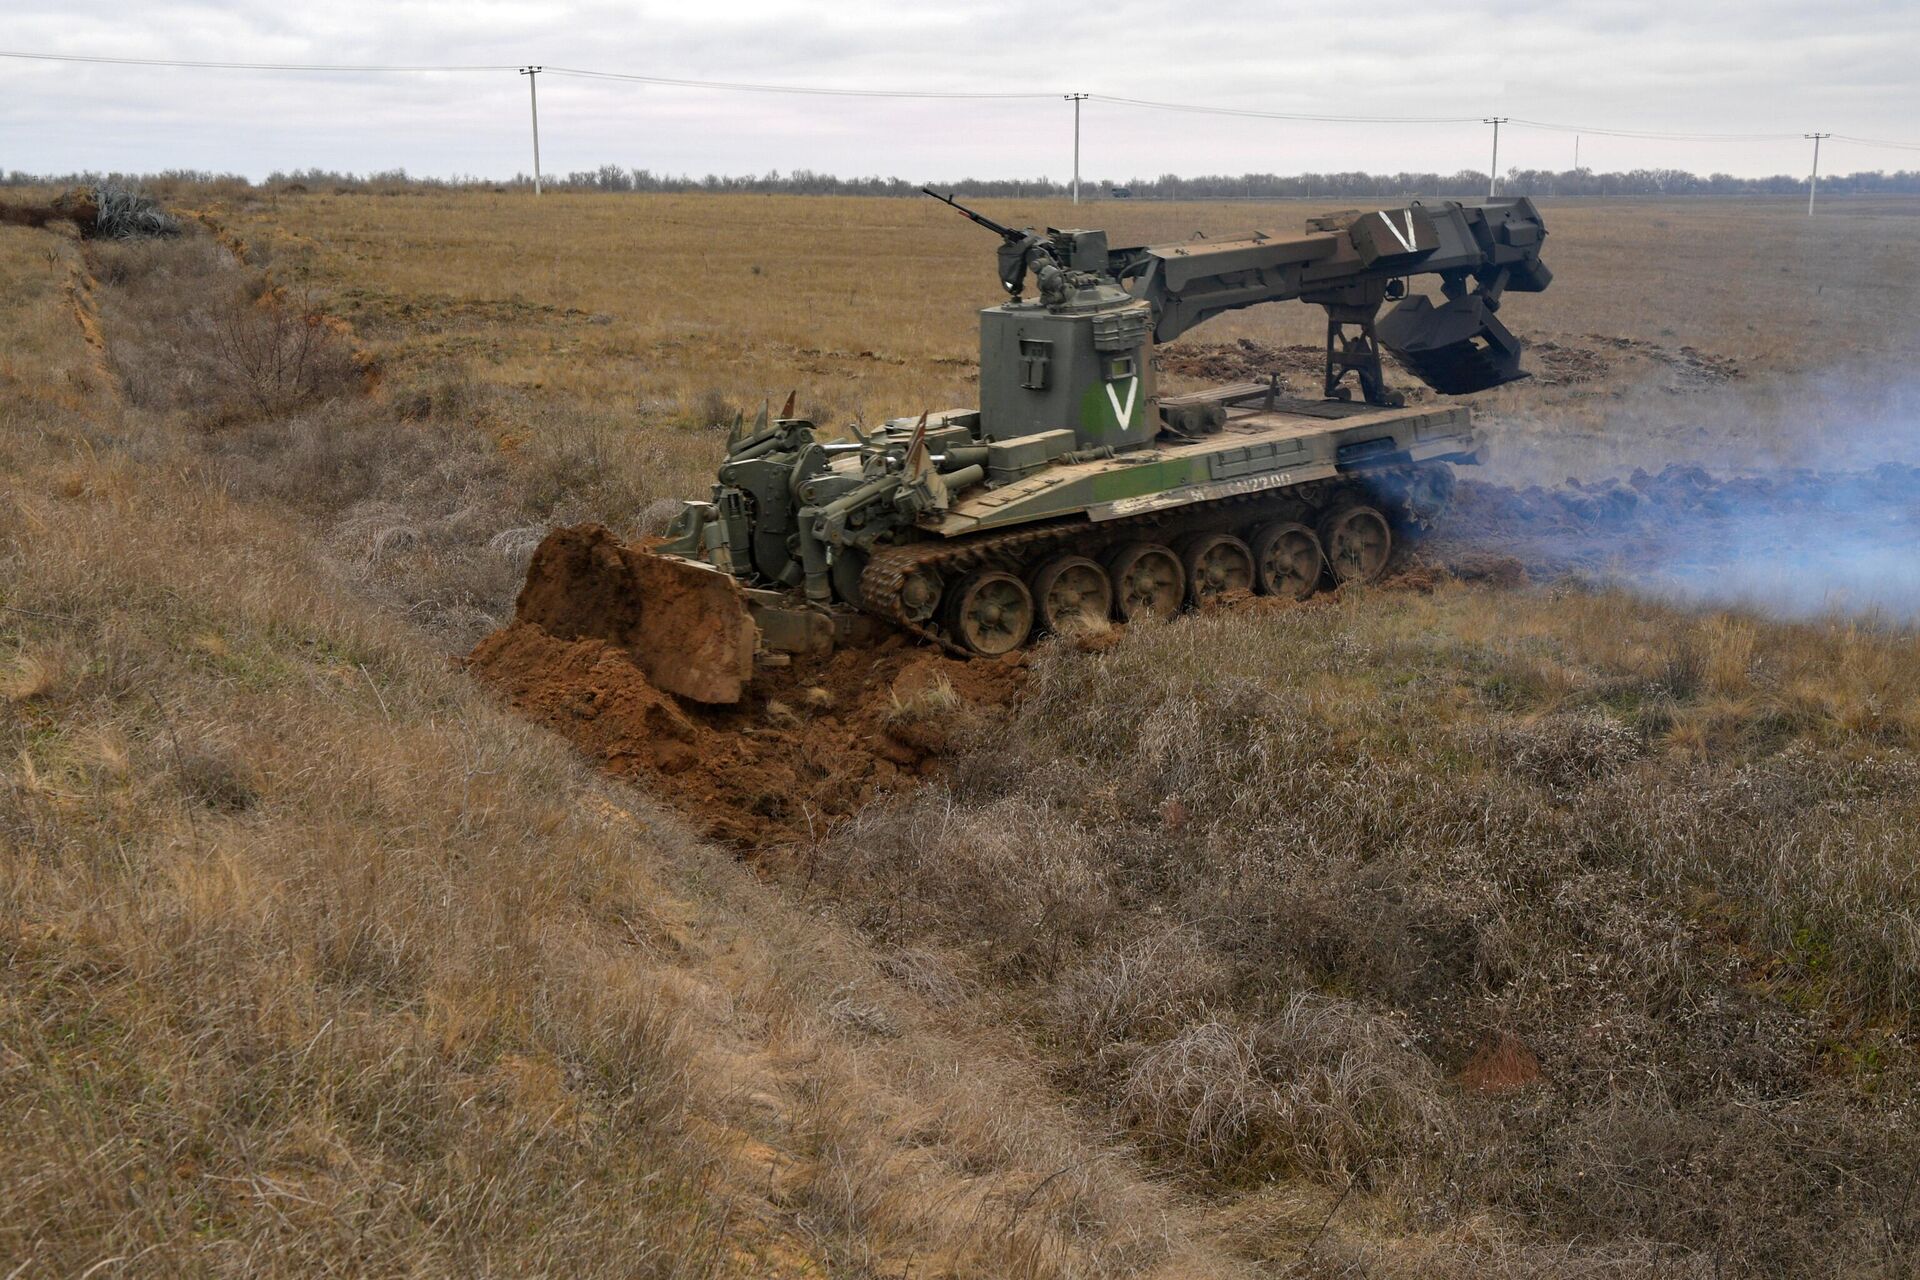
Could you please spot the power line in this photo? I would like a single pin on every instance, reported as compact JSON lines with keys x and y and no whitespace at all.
{"x":739,"y":86}
{"x":1875,"y":142}
{"x":583,"y":73}
{"x":1656,"y":135}
{"x":1252,"y":113}
{"x":253,"y":66}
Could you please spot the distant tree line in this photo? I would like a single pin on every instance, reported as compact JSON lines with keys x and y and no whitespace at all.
{"x":1255,"y":186}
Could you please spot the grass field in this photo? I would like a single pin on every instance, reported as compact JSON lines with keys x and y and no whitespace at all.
{"x":683,"y":309}
{"x":1456,"y":931}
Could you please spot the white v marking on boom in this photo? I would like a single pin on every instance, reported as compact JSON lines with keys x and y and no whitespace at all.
{"x":1411,"y":237}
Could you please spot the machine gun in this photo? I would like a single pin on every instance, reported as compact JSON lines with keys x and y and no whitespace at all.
{"x":1020,"y":251}
{"x":1005,"y":233}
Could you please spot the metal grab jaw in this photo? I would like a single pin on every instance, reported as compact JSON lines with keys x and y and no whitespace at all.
{"x":1456,"y":348}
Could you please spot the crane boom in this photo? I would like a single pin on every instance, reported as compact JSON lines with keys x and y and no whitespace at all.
{"x":1352,"y":263}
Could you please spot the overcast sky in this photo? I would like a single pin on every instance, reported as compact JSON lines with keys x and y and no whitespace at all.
{"x":1711,"y":66}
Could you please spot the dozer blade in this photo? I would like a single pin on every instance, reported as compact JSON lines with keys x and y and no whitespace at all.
{"x":685,"y":624}
{"x":1457,"y":348}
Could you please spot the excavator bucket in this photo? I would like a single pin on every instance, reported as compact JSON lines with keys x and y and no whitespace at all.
{"x":686,"y":624}
{"x":1456,"y":348}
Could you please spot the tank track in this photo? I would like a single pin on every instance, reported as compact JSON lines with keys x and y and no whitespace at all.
{"x":887,"y":570}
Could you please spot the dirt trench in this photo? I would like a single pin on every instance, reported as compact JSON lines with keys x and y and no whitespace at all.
{"x":809,"y":743}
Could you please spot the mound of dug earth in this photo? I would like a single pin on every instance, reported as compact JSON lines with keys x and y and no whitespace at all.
{"x":806,"y":744}
{"x":686,"y":628}
{"x":1241,"y":361}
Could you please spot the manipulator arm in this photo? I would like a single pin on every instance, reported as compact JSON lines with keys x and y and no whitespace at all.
{"x":1351,"y":264}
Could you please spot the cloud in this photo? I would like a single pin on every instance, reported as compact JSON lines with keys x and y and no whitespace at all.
{"x":1637,"y":64}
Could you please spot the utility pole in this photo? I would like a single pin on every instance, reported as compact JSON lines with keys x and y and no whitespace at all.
{"x":1813,"y":186}
{"x":1076,"y":99}
{"x":533,"y":94}
{"x":1576,"y":153}
{"x":1493,"y":175}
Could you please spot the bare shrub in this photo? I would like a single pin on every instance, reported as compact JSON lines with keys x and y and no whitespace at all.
{"x":1322,"y":1088}
{"x":196,"y":334}
{"x":1137,"y":991}
{"x":926,"y":973}
{"x":714,"y":408}
{"x":279,"y":351}
{"x":1563,"y":750}
{"x":656,"y":516}
{"x":119,"y":266}
{"x":516,"y":545}
{"x":1012,"y":873}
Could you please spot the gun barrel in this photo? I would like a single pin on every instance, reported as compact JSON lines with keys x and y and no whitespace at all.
{"x":1005,"y":233}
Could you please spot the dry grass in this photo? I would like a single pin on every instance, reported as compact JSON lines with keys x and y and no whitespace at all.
{"x":640,"y":322}
{"x":417,"y":485}
{"x":282,"y":992}
{"x":1270,"y":888}
{"x":315,"y":961}
{"x":678,"y":310}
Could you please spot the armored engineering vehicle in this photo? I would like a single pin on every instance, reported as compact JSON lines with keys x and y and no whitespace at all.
{"x":1076,"y":493}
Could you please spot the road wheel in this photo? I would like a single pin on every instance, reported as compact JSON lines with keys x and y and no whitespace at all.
{"x":920,"y":594}
{"x":1358,"y":542}
{"x":1071,"y":596}
{"x":991,"y":613}
{"x":1287,"y":560}
{"x":1147,"y":578}
{"x":1217,"y":565}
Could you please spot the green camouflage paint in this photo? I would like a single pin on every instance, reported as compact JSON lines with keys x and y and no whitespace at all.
{"x":1149,"y":477}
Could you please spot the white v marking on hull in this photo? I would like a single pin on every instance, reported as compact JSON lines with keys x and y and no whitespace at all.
{"x":1125,"y":415}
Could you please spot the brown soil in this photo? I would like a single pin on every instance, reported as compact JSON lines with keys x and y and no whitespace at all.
{"x":1592,"y":357}
{"x":1502,"y":1063}
{"x":1596,"y":356}
{"x":76,"y":206}
{"x":1242,"y":361}
{"x":807,"y":745}
{"x":685,"y":627}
